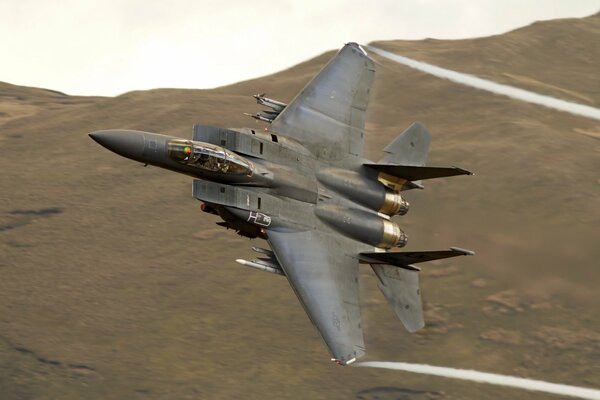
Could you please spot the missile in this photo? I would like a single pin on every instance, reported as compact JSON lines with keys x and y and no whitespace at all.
{"x":277,"y":106}
{"x":261,"y":266}
{"x":266,"y":116}
{"x":266,"y":252}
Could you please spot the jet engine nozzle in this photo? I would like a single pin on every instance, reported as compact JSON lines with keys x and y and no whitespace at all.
{"x":394,"y":204}
{"x":393,"y":236}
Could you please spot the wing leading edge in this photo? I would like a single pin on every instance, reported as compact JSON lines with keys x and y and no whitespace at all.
{"x":326,"y":285}
{"x":328,"y":115}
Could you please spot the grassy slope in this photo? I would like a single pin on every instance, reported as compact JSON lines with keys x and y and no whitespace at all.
{"x":127,"y":290}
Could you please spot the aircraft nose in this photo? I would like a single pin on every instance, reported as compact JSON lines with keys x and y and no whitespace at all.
{"x":127,"y":143}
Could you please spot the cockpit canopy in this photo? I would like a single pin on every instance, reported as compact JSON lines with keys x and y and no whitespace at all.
{"x":208,"y":157}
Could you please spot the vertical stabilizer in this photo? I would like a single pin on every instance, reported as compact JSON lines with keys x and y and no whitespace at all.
{"x":409,"y":148}
{"x":400,"y":287}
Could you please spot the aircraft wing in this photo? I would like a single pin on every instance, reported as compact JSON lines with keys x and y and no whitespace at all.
{"x":328,"y":115}
{"x":326,"y":284}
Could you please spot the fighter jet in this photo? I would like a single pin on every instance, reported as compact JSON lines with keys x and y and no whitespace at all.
{"x":302,"y":185}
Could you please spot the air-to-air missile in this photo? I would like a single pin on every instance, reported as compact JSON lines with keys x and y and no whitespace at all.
{"x":276,"y":105}
{"x":266,"y":115}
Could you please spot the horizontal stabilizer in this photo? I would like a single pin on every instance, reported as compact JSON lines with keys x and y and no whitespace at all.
{"x":405,"y":259}
{"x":401,"y":289}
{"x":416,"y":173}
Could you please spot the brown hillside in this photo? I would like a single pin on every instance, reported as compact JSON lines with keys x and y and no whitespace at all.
{"x":553,"y":58}
{"x":21,"y":101}
{"x":115,"y":285}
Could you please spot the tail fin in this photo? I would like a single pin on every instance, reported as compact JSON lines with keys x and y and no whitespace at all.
{"x":399,"y":280}
{"x":403,"y":166}
{"x":401,"y":289}
{"x":409,"y":148}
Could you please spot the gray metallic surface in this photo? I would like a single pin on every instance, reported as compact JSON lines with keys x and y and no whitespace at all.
{"x":126,"y":143}
{"x":404,"y":258}
{"x":352,"y":184}
{"x":275,"y":105}
{"x":151,"y":148}
{"x":261,"y":265}
{"x":326,"y":284}
{"x":360,"y":225}
{"x":410,"y":148}
{"x":415,"y":173}
{"x":328,"y":115}
{"x":401,"y":289}
{"x":303,"y":186}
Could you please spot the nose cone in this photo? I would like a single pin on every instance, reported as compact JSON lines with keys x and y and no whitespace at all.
{"x":127,"y":143}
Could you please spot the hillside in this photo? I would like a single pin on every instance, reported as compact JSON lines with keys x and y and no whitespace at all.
{"x":115,"y":285}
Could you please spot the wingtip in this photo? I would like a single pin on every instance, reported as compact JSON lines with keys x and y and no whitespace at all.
{"x":357,"y":46}
{"x":463,"y":171}
{"x":342,"y":362}
{"x":464,"y":252}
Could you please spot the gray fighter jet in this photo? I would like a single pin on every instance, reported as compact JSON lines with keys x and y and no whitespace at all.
{"x":302,"y":185}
